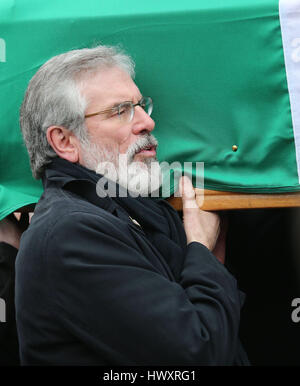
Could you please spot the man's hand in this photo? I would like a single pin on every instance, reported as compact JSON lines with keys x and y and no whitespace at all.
{"x":199,"y":225}
{"x":11,"y":229}
{"x":220,"y":247}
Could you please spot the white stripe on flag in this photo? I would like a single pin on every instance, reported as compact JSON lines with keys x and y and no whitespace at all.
{"x":289,"y":13}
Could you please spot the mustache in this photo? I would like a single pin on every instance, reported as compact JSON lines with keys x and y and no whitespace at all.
{"x":142,"y":143}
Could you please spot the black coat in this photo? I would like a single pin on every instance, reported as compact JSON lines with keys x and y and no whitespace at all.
{"x":95,"y":288}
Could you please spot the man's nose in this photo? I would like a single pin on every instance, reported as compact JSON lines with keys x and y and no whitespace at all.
{"x":142,"y":122}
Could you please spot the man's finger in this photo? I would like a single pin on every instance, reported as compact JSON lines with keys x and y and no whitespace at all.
{"x":187,"y":193}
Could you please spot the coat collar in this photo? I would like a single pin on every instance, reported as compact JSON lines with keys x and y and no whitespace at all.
{"x":148,"y":212}
{"x":77,"y":179}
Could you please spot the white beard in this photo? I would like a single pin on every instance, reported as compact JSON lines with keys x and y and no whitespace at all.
{"x":141,"y":178}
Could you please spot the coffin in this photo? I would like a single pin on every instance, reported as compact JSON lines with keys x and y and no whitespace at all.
{"x":223,"y":75}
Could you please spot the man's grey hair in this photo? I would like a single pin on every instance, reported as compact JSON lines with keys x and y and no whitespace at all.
{"x":53,"y":98}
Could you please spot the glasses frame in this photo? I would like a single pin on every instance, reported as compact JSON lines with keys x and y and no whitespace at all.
{"x":133,"y":105}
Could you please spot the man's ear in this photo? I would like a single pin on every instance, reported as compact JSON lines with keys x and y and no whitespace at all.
{"x":64,"y":143}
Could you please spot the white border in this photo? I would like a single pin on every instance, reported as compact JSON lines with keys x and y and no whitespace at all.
{"x":289,"y":14}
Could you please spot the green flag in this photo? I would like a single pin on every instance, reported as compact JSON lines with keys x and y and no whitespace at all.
{"x":223,"y":76}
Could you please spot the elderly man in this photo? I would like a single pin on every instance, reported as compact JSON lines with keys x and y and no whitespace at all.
{"x":113,"y":280}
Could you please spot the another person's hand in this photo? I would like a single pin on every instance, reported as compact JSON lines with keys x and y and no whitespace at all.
{"x":12,"y":227}
{"x":199,"y":225}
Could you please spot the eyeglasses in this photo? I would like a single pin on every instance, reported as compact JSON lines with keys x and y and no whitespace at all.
{"x":124,"y":112}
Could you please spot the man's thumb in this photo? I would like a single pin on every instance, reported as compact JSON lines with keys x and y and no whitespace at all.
{"x":187,"y":193}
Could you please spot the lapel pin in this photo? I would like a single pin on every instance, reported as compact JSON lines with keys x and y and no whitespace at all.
{"x":134,"y":221}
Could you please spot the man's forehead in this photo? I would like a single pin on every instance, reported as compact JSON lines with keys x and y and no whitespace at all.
{"x":110,"y":87}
